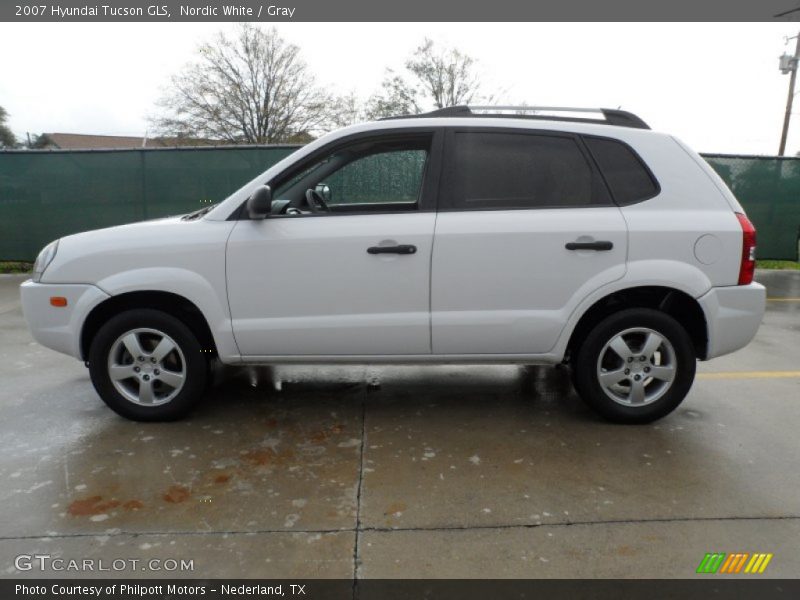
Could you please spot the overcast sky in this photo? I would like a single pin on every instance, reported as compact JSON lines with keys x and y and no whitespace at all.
{"x":717,"y":86}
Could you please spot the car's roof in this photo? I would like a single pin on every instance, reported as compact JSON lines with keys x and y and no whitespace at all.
{"x":603,"y":116}
{"x":566,"y":125}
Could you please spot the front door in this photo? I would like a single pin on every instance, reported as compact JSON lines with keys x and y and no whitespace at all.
{"x":344,"y":270}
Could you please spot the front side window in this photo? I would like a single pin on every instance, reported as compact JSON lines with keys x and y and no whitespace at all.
{"x":381,"y":178}
{"x":373,"y":176}
{"x":495,"y":170}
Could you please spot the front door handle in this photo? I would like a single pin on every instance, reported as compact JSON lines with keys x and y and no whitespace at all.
{"x":598,"y":246}
{"x":401,"y":249}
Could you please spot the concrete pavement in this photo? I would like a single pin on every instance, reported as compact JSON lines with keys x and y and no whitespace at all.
{"x":446,"y":471}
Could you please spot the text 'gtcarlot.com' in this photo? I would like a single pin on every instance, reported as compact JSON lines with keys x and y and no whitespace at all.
{"x":46,"y":562}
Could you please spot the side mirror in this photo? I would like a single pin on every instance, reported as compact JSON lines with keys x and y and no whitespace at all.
{"x":324,"y":190}
{"x":259,"y":204}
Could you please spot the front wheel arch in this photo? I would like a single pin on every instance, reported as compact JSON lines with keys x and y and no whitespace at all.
{"x":173,"y":304}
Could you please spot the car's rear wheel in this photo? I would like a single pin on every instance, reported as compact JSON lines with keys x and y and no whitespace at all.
{"x":147,"y":366}
{"x":635,"y":366}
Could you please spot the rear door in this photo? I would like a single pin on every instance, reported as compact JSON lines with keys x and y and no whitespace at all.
{"x":526,"y":229}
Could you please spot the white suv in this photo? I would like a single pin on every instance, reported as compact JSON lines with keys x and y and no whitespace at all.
{"x":454,"y":236}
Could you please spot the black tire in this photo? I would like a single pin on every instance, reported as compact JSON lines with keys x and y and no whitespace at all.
{"x":586,"y":373}
{"x":193,"y":362}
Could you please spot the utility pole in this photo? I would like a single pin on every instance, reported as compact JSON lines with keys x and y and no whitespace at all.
{"x":789,"y":64}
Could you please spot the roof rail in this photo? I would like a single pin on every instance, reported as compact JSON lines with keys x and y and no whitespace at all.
{"x":604,"y":116}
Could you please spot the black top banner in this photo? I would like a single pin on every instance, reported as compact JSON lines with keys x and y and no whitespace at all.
{"x":399,"y":10}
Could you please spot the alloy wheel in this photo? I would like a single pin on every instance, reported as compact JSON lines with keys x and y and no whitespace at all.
{"x":636,"y":367}
{"x":147,"y":367}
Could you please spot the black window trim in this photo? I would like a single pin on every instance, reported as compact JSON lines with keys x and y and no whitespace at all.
{"x":430,"y":177}
{"x":447,"y":202}
{"x":644,"y":165}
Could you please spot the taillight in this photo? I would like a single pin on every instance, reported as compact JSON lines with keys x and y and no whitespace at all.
{"x":748,"y":265}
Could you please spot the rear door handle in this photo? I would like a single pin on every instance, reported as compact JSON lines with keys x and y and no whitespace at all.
{"x":598,"y":246}
{"x":401,"y":249}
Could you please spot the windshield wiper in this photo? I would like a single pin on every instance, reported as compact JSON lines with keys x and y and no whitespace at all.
{"x":198,"y":213}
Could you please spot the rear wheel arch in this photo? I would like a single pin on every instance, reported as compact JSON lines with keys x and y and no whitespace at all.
{"x":173,"y":304}
{"x":676,"y":303}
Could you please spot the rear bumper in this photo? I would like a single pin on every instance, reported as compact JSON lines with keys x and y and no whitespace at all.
{"x":733,"y":315}
{"x":59,"y":328}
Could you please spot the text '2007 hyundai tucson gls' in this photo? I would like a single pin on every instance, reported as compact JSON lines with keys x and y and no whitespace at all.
{"x":454,"y":236}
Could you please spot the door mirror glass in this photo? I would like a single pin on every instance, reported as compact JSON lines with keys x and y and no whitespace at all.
{"x":259,"y":204}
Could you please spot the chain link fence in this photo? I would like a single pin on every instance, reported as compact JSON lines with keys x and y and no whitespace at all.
{"x":47,"y":195}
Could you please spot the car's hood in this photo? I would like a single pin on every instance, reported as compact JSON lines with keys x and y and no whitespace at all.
{"x":169,"y":242}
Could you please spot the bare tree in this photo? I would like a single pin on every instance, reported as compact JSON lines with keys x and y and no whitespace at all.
{"x":434,"y":77}
{"x":447,"y":76}
{"x":398,"y":96}
{"x":249,"y":87}
{"x":7,"y":139}
{"x":346,"y":110}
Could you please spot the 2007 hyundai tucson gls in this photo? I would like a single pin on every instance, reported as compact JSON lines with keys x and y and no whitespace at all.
{"x":454,"y":236}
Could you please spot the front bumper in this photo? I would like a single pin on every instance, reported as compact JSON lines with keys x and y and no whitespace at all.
{"x":733,"y":315}
{"x":59,"y":328}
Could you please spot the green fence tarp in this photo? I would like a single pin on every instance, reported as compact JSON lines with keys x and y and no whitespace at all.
{"x":47,"y":195}
{"x":769,"y":190}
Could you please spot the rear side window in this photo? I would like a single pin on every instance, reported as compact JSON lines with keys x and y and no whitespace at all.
{"x":518,"y":170}
{"x":626,"y":175}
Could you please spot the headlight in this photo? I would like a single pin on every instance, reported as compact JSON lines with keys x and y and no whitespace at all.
{"x":45,"y":257}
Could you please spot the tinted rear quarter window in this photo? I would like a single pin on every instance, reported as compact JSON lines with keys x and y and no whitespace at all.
{"x":625,"y":173}
{"x":493,"y":170}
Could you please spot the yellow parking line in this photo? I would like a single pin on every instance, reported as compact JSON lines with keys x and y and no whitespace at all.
{"x":783,"y":299}
{"x":750,"y":375}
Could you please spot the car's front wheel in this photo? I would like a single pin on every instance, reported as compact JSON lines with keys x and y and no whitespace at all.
{"x":147,"y":365}
{"x":635,"y":366}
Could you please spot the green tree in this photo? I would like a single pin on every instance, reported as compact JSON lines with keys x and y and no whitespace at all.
{"x":7,"y":139}
{"x":38,"y":142}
